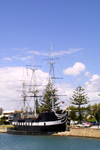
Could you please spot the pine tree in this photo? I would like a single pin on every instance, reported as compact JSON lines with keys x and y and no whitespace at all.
{"x":49,"y":94}
{"x":96,"y":110}
{"x":79,"y":98}
{"x":89,"y":109}
{"x":72,"y":112}
{"x":1,"y":110}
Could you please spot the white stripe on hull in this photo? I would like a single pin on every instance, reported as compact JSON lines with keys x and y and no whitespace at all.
{"x":48,"y":123}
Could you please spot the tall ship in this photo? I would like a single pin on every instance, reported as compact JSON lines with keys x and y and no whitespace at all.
{"x":48,"y":121}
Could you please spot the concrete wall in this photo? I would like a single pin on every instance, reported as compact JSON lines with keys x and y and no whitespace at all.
{"x":85,"y":132}
{"x":3,"y":130}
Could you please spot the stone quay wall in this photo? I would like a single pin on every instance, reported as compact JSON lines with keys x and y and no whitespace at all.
{"x":85,"y":132}
{"x":2,"y":130}
{"x":81,"y":132}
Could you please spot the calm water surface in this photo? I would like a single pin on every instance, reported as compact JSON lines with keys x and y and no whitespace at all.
{"x":22,"y":142}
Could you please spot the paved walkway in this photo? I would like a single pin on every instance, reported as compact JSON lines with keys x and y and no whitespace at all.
{"x":95,"y":127}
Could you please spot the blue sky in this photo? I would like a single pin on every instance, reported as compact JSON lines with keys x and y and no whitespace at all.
{"x":72,"y":26}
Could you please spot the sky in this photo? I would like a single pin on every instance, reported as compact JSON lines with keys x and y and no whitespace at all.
{"x":27,"y":29}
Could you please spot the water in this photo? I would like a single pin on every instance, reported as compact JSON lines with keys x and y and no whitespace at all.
{"x":22,"y":142}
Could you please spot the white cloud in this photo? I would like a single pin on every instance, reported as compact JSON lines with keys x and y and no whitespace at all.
{"x":87,"y":74}
{"x":94,"y":84}
{"x":7,"y":58}
{"x":77,"y":80}
{"x":66,"y":92}
{"x":20,"y":49}
{"x":39,"y":53}
{"x":22,"y":58}
{"x":95,"y":77}
{"x":93,"y":88}
{"x":9,"y":83}
{"x":25,"y":58}
{"x":11,"y":79}
{"x":75,"y":70}
{"x":70,"y":51}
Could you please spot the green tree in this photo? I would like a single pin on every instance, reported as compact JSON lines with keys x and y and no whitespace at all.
{"x":72,"y":112}
{"x":49,"y":94}
{"x":1,"y":110}
{"x":97,"y":112}
{"x":79,"y":98}
{"x":89,"y":109}
{"x":94,"y":109}
{"x":3,"y":120}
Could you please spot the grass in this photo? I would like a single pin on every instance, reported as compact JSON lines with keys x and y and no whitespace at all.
{"x":6,"y":126}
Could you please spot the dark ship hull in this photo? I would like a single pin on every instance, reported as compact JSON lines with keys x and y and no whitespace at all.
{"x":45,"y":122}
